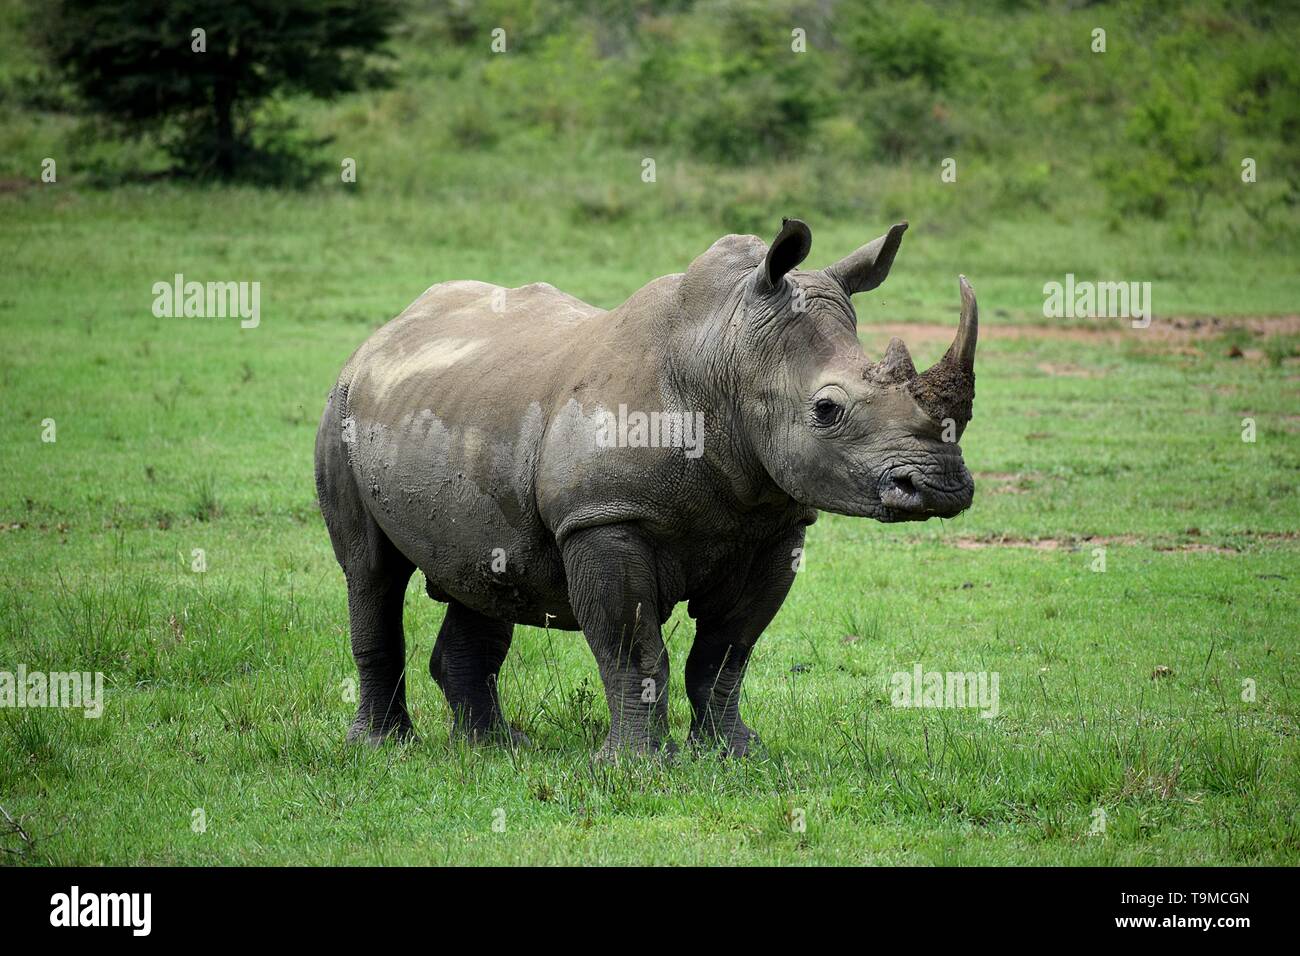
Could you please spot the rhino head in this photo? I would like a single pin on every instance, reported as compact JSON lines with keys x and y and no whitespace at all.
{"x":833,"y":429}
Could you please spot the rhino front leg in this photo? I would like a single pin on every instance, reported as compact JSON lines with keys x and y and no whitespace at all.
{"x":613,"y":590}
{"x":724,"y":639}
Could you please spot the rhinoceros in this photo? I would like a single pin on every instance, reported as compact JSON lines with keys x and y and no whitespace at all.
{"x":546,"y":462}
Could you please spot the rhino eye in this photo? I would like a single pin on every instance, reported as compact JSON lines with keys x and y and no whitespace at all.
{"x":827,"y":412}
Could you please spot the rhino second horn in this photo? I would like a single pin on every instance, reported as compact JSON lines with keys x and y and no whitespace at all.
{"x":963,"y":347}
{"x":897,"y":364}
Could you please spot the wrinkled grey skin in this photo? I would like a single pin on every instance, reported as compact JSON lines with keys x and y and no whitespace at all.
{"x":462,"y":439}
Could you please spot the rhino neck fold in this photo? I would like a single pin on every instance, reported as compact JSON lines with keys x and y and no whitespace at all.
{"x":703,"y":372}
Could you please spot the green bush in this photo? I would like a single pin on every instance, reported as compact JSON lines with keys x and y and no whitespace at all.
{"x":197,"y":74}
{"x":892,"y":42}
{"x":726,"y":84}
{"x":1178,"y":132}
{"x":907,"y":121}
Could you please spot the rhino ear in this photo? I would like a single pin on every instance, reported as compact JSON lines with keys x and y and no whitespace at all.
{"x":865,"y":269}
{"x":788,"y":249}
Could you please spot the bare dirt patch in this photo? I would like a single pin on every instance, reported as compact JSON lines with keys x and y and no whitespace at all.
{"x":1069,"y":370}
{"x":974,"y":543}
{"x":978,"y":543}
{"x":1005,"y":482}
{"x":1079,"y":543}
{"x":1214,"y":325}
{"x":1184,"y":331}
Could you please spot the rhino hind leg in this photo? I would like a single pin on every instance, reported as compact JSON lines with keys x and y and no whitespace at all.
{"x":375,"y":598}
{"x":377,"y":574}
{"x":466,"y":664}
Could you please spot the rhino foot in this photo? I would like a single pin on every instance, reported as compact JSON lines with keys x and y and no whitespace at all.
{"x":501,"y":734}
{"x":364,"y":731}
{"x":613,"y":752}
{"x":741,"y":743}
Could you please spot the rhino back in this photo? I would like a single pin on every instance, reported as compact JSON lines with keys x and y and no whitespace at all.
{"x":450,"y":404}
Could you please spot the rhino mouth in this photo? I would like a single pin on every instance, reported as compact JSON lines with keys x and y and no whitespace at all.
{"x":910,"y":494}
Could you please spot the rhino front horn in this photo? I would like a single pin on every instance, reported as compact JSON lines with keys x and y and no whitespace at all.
{"x":947,"y":388}
{"x":963,"y":347}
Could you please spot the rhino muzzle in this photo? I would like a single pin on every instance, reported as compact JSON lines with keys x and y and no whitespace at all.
{"x":940,"y":486}
{"x":910,"y":494}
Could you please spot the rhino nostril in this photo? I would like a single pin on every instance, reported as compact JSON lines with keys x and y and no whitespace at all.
{"x":900,"y":491}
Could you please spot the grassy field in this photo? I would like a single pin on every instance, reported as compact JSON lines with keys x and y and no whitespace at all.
{"x":1121,"y":691}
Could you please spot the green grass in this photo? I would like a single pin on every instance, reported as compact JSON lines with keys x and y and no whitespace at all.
{"x":226,"y":688}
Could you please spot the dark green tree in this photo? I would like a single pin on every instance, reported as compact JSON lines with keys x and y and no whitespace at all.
{"x":195,"y":71}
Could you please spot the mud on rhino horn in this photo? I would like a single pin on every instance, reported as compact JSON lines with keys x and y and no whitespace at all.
{"x":946,"y":390}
